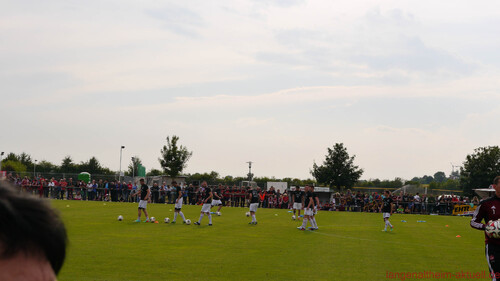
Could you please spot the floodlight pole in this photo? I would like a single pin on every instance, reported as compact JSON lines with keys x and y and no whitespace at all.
{"x":249,"y":170}
{"x":1,"y":156}
{"x":34,"y":170}
{"x":120,"y":173}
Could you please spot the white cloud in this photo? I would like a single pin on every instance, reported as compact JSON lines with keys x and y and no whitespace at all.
{"x":275,"y":81}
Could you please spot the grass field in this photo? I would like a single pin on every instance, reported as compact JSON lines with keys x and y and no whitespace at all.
{"x":348,"y":246}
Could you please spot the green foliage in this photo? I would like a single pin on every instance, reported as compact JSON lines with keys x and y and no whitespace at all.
{"x":440,"y":177}
{"x":23,"y":158}
{"x":91,"y":166}
{"x":396,"y":183}
{"x":174,"y":158}
{"x":46,"y":167}
{"x":338,"y":169}
{"x":133,"y":167}
{"x":154,"y":172}
{"x":67,"y":166}
{"x":13,"y":166}
{"x":450,"y":184}
{"x":12,"y":157}
{"x":480,"y":168}
{"x":211,"y":178}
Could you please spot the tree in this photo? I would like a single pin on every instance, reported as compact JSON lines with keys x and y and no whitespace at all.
{"x":46,"y":167}
{"x":154,"y":172}
{"x":67,"y":165}
{"x":25,"y":159}
{"x":480,"y":168}
{"x":174,"y":158}
{"x":92,"y":166}
{"x":440,"y":177}
{"x":338,"y":169}
{"x":210,"y":178}
{"x":13,"y":166}
{"x":133,"y":167}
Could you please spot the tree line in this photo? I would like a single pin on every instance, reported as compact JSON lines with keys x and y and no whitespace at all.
{"x":337,"y":171}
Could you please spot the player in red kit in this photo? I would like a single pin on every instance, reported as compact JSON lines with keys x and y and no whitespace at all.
{"x":489,"y":210}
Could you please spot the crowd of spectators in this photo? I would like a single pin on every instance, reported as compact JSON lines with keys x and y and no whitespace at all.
{"x":233,"y":196}
{"x":406,"y":203}
{"x":116,"y":191}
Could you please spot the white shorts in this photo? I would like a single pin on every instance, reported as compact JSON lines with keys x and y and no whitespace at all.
{"x":315,"y":211}
{"x":206,"y":208}
{"x":178,"y":205}
{"x":297,"y":206}
{"x":386,"y":215}
{"x":143,"y":204}
{"x":216,"y":202}
{"x":308,"y":212}
{"x":253,"y":207}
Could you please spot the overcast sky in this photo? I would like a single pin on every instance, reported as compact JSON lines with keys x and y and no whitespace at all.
{"x":408,"y":86}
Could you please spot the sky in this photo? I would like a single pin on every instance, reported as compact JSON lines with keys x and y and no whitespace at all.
{"x":408,"y":87}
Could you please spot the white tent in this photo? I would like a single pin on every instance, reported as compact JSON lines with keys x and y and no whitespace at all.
{"x":485,"y":192}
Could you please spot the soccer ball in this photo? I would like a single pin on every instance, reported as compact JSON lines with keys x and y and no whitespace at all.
{"x":152,"y":219}
{"x":248,"y":214}
{"x":188,"y":221}
{"x":120,"y":217}
{"x":166,"y":220}
{"x":218,"y":213}
{"x":493,"y":229}
{"x":294,"y":217}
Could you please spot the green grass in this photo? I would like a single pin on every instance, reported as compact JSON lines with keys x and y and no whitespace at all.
{"x":348,"y":246}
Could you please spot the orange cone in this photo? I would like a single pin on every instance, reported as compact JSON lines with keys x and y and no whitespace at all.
{"x":458,"y":236}
{"x":446,"y":225}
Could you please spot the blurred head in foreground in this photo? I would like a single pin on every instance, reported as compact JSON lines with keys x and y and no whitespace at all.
{"x":32,"y":237}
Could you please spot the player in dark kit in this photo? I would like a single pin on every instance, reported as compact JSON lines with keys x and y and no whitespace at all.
{"x":207,"y":203}
{"x":487,"y":211}
{"x":217,"y":201}
{"x":297,"y":197}
{"x":308,"y":207}
{"x":143,"y":203}
{"x":254,"y":203}
{"x":387,"y":209}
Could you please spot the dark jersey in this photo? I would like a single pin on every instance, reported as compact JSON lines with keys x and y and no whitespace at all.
{"x":315,"y":195}
{"x":298,"y":194}
{"x":217,"y":194}
{"x":206,"y":194}
{"x":386,"y":204}
{"x":307,"y":198}
{"x":254,"y":196}
{"x":489,"y":209}
{"x":144,"y":191}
